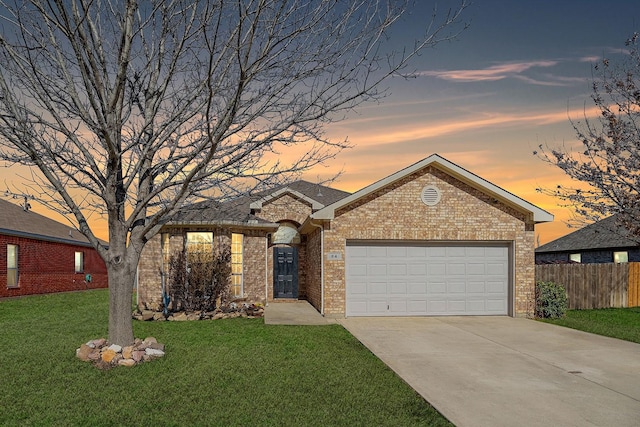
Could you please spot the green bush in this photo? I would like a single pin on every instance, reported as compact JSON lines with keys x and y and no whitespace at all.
{"x":551,"y":300}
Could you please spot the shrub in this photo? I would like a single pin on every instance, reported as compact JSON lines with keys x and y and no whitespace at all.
{"x":551,"y":300}
{"x":197,"y":280}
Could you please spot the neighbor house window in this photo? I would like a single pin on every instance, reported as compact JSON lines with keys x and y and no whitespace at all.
{"x":12,"y":266}
{"x":575,"y":257}
{"x":236,"y":264}
{"x":619,"y":257}
{"x":79,"y":262}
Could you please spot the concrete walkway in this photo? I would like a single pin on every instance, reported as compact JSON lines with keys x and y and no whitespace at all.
{"x":297,"y":312}
{"x":501,"y":371}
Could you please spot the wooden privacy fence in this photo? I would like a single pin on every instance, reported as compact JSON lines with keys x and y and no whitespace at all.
{"x":595,"y":285}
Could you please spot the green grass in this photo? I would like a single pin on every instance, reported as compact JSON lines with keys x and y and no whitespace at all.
{"x":225,"y":372}
{"x":622,"y":323}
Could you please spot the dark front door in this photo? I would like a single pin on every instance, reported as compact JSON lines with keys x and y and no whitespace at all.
{"x":285,"y":272}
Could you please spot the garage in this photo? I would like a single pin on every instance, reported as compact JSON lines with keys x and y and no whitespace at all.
{"x":419,"y":279}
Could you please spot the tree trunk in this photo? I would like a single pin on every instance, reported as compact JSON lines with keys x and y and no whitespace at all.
{"x":121,"y":279}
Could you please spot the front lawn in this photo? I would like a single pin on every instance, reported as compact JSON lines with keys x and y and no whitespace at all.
{"x":223,"y":372}
{"x":622,"y":323}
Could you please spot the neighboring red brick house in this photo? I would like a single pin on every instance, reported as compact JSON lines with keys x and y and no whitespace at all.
{"x":39,"y":255}
{"x":431,"y":239}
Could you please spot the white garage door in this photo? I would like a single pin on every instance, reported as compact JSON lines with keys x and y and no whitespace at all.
{"x":414,"y":280}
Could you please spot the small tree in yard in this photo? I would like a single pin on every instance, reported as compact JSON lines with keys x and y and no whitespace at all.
{"x":609,"y":159}
{"x":131,"y":110}
{"x":197,"y":280}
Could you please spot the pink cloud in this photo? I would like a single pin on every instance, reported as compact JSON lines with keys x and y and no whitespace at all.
{"x":493,"y":73}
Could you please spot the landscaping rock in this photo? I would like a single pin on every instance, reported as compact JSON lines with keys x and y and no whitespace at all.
{"x":126,"y":362}
{"x":179,"y":317}
{"x":153,"y":352}
{"x":99,"y":342}
{"x":115,"y":347}
{"x":83,"y":352}
{"x":108,"y":355}
{"x":147,"y":315}
{"x":156,"y":346}
{"x":127,"y":352}
{"x":138,"y":355}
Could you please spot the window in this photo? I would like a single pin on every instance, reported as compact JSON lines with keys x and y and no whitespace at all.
{"x":619,"y":257}
{"x":575,"y":257}
{"x":79,"y":261}
{"x":12,"y":266}
{"x":166,"y":254}
{"x":199,"y":242}
{"x":199,"y":248}
{"x":236,"y":264}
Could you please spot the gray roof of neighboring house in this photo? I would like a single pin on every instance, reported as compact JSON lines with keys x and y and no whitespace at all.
{"x":16,"y":221}
{"x":607,"y":233}
{"x":239,"y":212}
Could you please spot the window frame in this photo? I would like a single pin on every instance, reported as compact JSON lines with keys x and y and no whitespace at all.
{"x":80,"y":264}
{"x":13,"y":266}
{"x":618,"y":254}
{"x":237,"y":261}
{"x":572,"y":257}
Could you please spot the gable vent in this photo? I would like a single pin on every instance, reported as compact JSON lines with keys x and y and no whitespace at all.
{"x":430,"y":195}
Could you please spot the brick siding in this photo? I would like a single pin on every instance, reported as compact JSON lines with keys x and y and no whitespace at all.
{"x":47,"y":267}
{"x":150,"y":268}
{"x":397,"y":213}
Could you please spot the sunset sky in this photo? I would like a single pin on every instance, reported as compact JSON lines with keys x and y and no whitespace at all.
{"x":486,"y":101}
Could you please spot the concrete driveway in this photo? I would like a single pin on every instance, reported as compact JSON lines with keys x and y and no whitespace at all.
{"x":501,"y":371}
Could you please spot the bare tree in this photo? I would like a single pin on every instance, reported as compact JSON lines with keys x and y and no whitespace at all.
{"x":608,"y":162}
{"x":130,"y":110}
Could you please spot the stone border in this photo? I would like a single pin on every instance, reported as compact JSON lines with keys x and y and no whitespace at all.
{"x":106,"y":356}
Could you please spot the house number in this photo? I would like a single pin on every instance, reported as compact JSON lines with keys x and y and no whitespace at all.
{"x":334,"y":256}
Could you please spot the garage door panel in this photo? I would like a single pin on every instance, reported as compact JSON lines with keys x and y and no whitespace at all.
{"x":396,"y":280}
{"x":397,"y":252}
{"x":494,"y":268}
{"x":436,"y":287}
{"x":456,"y":286}
{"x":397,"y":288}
{"x":397,"y":270}
{"x":455,"y":268}
{"x":417,"y":307}
{"x":436,"y":268}
{"x":417,"y":269}
{"x":358,"y":288}
{"x":476,"y":288}
{"x":436,"y":306}
{"x":377,"y":288}
{"x":476,"y":268}
{"x":419,"y":288}
{"x":417,"y":251}
{"x":398,"y":307}
{"x":496,"y":287}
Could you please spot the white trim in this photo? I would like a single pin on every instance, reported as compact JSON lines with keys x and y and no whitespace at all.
{"x":538,"y":215}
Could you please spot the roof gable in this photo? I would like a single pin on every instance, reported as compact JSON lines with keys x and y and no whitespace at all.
{"x":538,"y":215}
{"x":316,"y":195}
